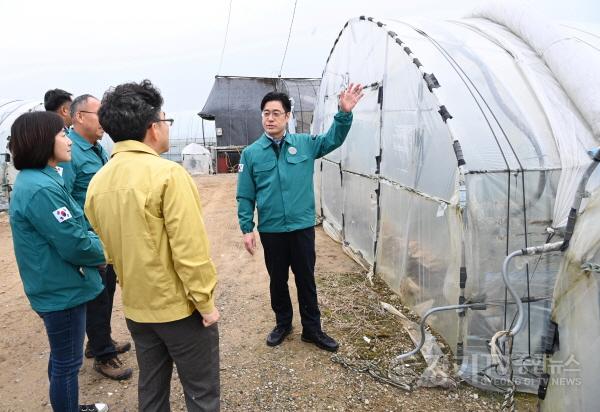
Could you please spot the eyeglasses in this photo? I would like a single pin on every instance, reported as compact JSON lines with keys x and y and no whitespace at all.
{"x":275,"y":113}
{"x":85,"y":111}
{"x":170,"y":121}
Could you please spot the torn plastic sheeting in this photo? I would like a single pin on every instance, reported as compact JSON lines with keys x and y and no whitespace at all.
{"x":332,"y":232}
{"x":356,"y":256}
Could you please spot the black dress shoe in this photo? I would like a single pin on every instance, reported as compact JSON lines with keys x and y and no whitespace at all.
{"x":278,"y":334}
{"x":321,"y":339}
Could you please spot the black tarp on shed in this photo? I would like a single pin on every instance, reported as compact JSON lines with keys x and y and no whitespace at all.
{"x":234,"y":105}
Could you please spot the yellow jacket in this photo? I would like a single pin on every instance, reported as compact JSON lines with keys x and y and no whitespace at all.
{"x":147,"y":212}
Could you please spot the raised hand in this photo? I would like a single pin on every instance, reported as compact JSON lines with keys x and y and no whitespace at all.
{"x":350,"y":96}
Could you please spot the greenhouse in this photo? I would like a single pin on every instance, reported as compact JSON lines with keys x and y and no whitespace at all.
{"x":473,"y":141}
{"x":10,"y":109}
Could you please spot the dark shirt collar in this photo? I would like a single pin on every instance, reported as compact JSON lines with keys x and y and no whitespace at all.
{"x":265,"y":140}
{"x":276,"y":141}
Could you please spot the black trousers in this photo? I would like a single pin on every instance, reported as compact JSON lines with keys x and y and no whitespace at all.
{"x":98,"y":316}
{"x":194,"y":349}
{"x":296,"y":250}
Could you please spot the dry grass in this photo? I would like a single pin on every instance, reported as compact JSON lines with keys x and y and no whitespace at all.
{"x":351,"y":310}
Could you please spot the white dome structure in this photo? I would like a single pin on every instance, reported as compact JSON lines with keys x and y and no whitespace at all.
{"x":196,"y":159}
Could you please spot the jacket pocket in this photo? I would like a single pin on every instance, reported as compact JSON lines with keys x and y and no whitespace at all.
{"x":299,"y":170}
{"x":296,"y":159}
{"x":264,"y":167}
{"x":264,"y":176}
{"x":155,"y":231}
{"x":264,"y":180}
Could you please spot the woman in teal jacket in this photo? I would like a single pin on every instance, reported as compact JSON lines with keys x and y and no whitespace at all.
{"x":57,"y":256}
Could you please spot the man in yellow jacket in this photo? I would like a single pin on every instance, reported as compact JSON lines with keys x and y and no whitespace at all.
{"x":147,"y":213}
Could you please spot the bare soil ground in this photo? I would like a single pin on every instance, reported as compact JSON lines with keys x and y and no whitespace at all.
{"x":294,"y":376}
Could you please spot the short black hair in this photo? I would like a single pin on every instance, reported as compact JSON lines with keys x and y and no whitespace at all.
{"x":277,"y":96}
{"x":55,"y":98}
{"x":32,"y":137}
{"x":126,"y":111}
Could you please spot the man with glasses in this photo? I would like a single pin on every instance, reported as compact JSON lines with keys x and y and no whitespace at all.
{"x":147,"y":212}
{"x":276,"y":176}
{"x":87,"y":157}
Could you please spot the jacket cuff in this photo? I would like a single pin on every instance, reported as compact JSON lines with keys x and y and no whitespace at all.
{"x":343,"y":117}
{"x":206,"y":307}
{"x":247,"y":228}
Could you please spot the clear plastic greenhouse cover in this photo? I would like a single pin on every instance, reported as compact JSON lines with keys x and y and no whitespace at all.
{"x":466,"y":146}
{"x":10,"y":109}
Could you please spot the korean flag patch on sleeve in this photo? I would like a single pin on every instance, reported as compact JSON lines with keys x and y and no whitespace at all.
{"x":62,"y":214}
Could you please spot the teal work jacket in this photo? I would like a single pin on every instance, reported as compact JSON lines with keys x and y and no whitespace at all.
{"x":281,"y":187}
{"x":56,"y":254}
{"x":86,"y":160}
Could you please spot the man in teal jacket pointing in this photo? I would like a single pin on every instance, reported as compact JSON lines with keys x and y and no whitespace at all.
{"x":275,"y":175}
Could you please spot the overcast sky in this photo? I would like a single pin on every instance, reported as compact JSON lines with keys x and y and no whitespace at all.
{"x":87,"y":46}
